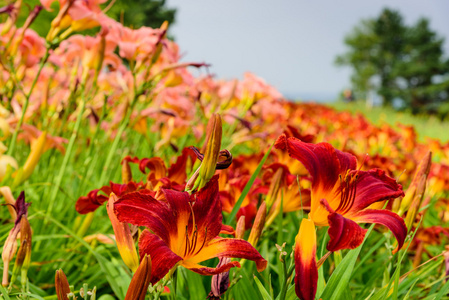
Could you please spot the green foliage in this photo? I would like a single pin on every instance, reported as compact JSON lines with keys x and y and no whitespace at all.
{"x":137,"y":13}
{"x":134,"y":14}
{"x":404,"y":65}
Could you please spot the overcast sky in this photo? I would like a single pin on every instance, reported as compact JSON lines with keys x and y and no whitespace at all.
{"x":291,"y":44}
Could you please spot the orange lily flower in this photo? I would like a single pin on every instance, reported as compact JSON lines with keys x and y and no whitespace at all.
{"x":341,"y":197}
{"x":183,"y":230}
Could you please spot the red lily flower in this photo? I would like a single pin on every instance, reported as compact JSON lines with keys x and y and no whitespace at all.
{"x":341,"y":197}
{"x":183,"y":230}
{"x":158,"y":176}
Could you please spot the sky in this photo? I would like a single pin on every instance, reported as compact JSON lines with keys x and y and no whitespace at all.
{"x":290,"y":44}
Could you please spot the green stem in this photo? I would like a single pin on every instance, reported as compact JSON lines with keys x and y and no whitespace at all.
{"x":27,"y":101}
{"x":66,"y":157}
{"x":117,"y":138}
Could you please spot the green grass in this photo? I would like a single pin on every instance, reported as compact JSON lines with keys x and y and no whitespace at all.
{"x":425,"y":126}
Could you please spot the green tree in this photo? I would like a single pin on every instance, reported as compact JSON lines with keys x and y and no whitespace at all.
{"x":423,"y":69}
{"x":397,"y":62}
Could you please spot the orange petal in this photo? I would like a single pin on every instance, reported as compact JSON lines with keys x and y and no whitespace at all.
{"x":306,"y":277}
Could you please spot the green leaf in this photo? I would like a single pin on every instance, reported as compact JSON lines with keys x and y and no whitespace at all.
{"x":443,"y":291}
{"x":4,"y":293}
{"x":339,"y":280}
{"x":195,"y":285}
{"x":118,"y":280}
{"x":262,"y":290}
{"x":247,"y":188}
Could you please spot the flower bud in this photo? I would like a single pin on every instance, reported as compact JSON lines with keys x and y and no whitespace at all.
{"x":275,"y":186}
{"x":422,"y":171}
{"x":61,"y":285}
{"x":141,"y":280}
{"x":240,"y":228}
{"x":9,"y":250}
{"x":212,"y":151}
{"x":258,"y":225}
{"x":127,"y":175}
{"x":123,"y":237}
{"x":220,"y":282}
{"x":23,"y":258}
{"x":415,"y":193}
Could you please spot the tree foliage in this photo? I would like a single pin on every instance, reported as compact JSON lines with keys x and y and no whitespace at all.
{"x":404,"y":65}
{"x":135,"y":13}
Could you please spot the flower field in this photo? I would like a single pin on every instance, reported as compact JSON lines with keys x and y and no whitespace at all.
{"x":127,"y":173}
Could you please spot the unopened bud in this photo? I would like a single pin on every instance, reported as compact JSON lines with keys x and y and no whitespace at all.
{"x":9,"y":250}
{"x":23,"y":258}
{"x":212,"y":151}
{"x":61,"y":285}
{"x":141,"y":280}
{"x":240,"y":228}
{"x":220,"y":282}
{"x":415,"y":193}
{"x":123,"y":237}
{"x":127,"y":175}
{"x":259,"y":223}
{"x":274,"y":187}
{"x":416,"y":188}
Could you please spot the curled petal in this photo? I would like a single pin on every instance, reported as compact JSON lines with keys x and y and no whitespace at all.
{"x":323,"y":162}
{"x":214,"y":271}
{"x":235,"y":248}
{"x":143,"y":210}
{"x":387,"y":218}
{"x":162,"y":258}
{"x":224,"y":158}
{"x":226,"y":229}
{"x":155,"y":164}
{"x":343,"y":233}
{"x":373,"y":186}
{"x":177,"y":171}
{"x":306,"y":276}
{"x":89,"y":203}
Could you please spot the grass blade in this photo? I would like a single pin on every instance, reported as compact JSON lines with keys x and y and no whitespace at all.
{"x":339,"y":280}
{"x":247,"y":188}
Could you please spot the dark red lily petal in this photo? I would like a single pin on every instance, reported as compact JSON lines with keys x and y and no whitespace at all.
{"x":162,"y":258}
{"x":21,"y":207}
{"x":387,"y":218}
{"x":89,"y":203}
{"x":155,"y":164}
{"x":121,"y":189}
{"x":323,"y":162}
{"x":142,"y":209}
{"x":226,"y":229}
{"x":222,"y":247}
{"x":343,"y":233}
{"x":213,"y":271}
{"x":373,"y":186}
{"x":207,"y":210}
{"x":306,"y":269}
{"x":177,"y":171}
